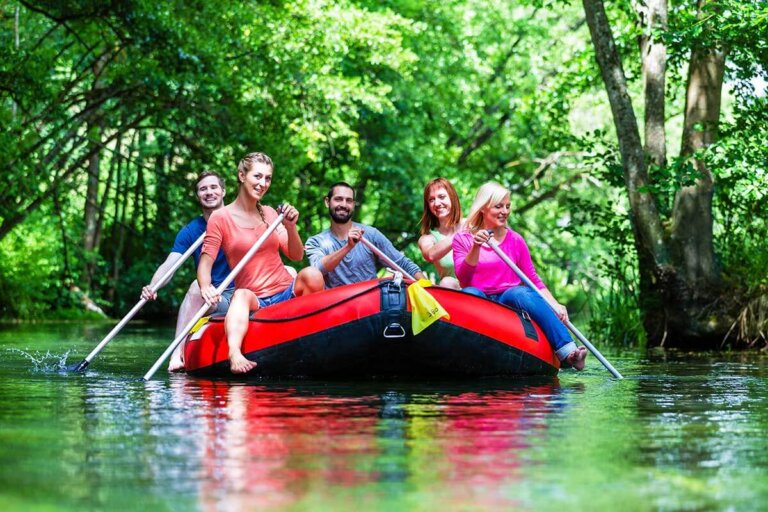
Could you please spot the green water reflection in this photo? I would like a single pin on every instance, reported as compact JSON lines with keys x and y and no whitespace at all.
{"x":681,"y":432}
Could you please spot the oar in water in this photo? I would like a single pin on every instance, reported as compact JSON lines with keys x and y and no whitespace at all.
{"x":223,"y":286}
{"x":568,"y":324}
{"x":383,"y":257}
{"x":82,"y":365}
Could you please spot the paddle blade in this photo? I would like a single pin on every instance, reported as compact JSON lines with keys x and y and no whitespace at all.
{"x":79,"y":367}
{"x":425,"y":309}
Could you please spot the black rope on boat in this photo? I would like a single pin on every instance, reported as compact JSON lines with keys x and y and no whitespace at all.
{"x":324,"y":308}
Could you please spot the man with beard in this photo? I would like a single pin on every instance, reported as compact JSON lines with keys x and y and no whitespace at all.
{"x":209,"y":189}
{"x":336,"y":252}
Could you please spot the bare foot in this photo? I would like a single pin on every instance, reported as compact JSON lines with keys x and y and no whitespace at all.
{"x":176,"y":364}
{"x":239,"y":364}
{"x":577,"y":358}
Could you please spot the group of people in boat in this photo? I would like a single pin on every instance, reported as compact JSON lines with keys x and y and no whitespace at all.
{"x":456,"y":246}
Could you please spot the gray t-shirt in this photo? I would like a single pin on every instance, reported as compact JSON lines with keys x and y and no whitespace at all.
{"x":360,"y":264}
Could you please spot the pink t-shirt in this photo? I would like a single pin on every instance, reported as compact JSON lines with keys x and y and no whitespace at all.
{"x":491,"y":274}
{"x":264,"y":274}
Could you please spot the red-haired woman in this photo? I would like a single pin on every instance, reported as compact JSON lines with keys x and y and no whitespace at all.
{"x":440,"y":221}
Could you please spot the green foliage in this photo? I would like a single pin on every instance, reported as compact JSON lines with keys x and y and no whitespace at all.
{"x":741,"y":197}
{"x":386,"y":95}
{"x":611,"y":263}
{"x":30,"y":283}
{"x":615,"y":313}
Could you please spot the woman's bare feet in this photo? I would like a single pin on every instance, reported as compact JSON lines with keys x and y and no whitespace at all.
{"x":239,"y":364}
{"x":176,"y":364}
{"x":577,"y":358}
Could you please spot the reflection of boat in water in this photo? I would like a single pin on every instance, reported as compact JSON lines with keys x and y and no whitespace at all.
{"x":456,"y":445}
{"x":364,"y":330}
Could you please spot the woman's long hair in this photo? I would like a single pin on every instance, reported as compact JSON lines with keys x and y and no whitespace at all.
{"x":489,"y":193}
{"x":428,"y":219}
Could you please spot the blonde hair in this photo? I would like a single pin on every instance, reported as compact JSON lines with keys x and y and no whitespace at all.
{"x":489,"y":193}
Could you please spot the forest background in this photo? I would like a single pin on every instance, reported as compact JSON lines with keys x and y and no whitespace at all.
{"x":631,"y":134}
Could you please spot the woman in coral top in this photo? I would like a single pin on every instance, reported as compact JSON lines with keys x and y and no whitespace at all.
{"x":481,"y":272}
{"x":263,"y":280}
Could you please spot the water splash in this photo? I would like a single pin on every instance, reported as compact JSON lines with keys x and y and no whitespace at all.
{"x":44,"y":362}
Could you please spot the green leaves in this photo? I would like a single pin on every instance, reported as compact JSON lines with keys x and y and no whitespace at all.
{"x":386,"y":95}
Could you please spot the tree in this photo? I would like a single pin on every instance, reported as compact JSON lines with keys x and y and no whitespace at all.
{"x":682,"y":293}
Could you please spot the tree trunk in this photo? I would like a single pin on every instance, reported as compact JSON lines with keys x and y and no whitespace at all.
{"x":139,"y":196}
{"x":66,"y":274}
{"x":114,"y":161}
{"x":90,"y":234}
{"x":653,"y":52}
{"x":678,"y":275}
{"x":692,"y":237}
{"x":16,"y":47}
{"x":698,"y":315}
{"x":91,"y":209}
{"x":163,"y":163}
{"x":118,"y":231}
{"x":646,"y":224}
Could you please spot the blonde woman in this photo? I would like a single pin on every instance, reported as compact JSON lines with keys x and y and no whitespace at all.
{"x":440,"y":221}
{"x":481,"y":272}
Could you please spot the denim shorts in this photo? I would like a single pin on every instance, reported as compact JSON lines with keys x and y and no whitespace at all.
{"x":278,"y":297}
{"x":223,"y":306}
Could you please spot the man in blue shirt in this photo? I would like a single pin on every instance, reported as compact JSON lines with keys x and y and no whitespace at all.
{"x":209,"y":189}
{"x":336,"y":251}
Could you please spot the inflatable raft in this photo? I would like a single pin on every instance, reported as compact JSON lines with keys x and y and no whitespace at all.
{"x":364,"y":330}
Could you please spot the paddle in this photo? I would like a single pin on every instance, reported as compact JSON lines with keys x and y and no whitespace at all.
{"x":568,"y":324}
{"x":383,"y":257}
{"x":223,"y":286}
{"x":82,"y":365}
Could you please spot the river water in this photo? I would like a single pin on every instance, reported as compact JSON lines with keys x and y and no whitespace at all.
{"x":680,"y":432}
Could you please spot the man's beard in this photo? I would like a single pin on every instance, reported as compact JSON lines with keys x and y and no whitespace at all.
{"x":340,"y":217}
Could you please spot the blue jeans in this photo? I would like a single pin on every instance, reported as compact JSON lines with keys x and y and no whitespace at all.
{"x":525,"y":299}
{"x":278,"y":297}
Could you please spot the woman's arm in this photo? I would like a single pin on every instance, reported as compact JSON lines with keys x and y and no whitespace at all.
{"x":294,"y":247}
{"x":478,"y":239}
{"x":462,"y":246}
{"x":212,"y":244}
{"x":432,"y":250}
{"x":207,"y":290}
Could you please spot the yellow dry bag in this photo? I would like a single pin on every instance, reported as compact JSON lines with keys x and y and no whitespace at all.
{"x":424,"y":307}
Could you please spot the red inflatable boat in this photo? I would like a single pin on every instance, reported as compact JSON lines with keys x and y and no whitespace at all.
{"x":364,"y":330}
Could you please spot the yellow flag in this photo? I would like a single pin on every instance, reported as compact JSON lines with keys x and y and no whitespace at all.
{"x":424,"y":307}
{"x":199,"y":324}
